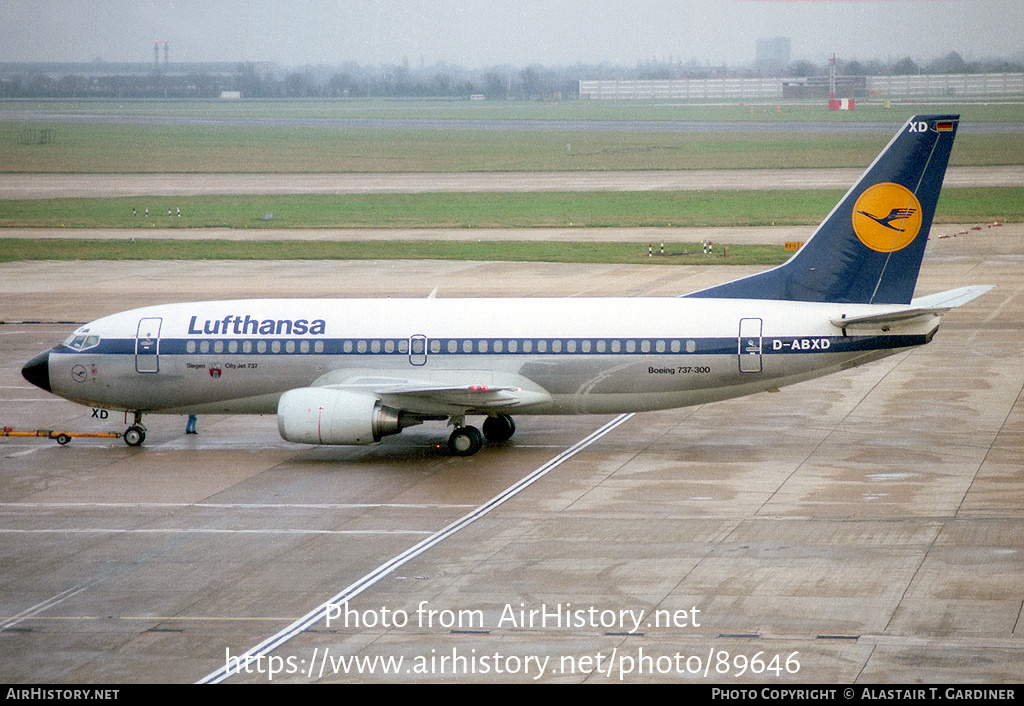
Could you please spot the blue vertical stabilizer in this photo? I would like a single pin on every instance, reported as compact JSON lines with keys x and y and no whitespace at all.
{"x":869,"y":248}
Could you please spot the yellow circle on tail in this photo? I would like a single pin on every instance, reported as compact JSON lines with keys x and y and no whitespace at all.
{"x":887,"y":217}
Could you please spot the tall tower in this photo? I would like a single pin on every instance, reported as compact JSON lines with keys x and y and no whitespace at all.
{"x":833,"y":102}
{"x":165,"y":55}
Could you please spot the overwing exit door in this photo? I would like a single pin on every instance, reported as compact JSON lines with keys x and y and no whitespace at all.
{"x":418,"y":350}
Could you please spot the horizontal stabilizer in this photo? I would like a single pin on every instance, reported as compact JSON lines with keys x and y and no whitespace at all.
{"x":931,"y":306}
{"x":952,"y":298}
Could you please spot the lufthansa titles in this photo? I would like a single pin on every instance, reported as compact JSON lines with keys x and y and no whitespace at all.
{"x":240,"y":326}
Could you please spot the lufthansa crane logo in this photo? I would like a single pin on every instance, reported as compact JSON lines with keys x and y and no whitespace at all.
{"x":887,"y":217}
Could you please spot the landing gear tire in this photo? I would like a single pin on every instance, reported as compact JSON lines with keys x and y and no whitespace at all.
{"x":465,"y":441}
{"x":499,"y":428}
{"x":135,"y":436}
{"x":63,"y":439}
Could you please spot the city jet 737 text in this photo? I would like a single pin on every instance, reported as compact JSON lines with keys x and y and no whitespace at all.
{"x":353,"y":371}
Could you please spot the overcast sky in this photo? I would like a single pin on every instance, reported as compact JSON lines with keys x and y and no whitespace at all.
{"x":478,"y":33}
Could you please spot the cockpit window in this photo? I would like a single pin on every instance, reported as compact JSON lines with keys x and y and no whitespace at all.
{"x":82,"y":341}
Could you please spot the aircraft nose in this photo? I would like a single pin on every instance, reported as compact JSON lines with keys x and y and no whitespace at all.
{"x":37,"y":371}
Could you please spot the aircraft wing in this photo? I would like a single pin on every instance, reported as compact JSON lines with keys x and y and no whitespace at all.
{"x":481,"y":398}
{"x":930,"y":306}
{"x":443,"y":393}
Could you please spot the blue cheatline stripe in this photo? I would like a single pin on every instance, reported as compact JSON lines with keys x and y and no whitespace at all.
{"x":320,"y":612}
{"x":504,"y":346}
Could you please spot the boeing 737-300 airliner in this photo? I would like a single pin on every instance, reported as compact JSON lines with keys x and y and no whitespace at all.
{"x":356,"y":370}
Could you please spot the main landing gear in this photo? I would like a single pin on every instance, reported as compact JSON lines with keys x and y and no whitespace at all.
{"x":467,"y":440}
{"x":135,"y":435}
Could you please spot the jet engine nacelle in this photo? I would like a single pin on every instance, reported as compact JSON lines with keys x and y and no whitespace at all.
{"x":316,"y":415}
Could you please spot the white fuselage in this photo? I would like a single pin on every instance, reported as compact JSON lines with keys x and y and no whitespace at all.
{"x":566,"y":356}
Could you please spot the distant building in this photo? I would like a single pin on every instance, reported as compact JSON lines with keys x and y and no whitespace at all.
{"x":772,"y":56}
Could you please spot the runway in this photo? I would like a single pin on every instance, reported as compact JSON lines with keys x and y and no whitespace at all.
{"x":41,"y":186}
{"x":861,"y":528}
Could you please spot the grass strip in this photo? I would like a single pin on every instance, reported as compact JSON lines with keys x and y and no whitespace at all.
{"x":126,"y":148}
{"x":490,"y":210}
{"x":16,"y":249}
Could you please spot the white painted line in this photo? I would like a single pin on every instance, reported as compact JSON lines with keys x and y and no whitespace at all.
{"x":314,"y":616}
{"x":187,"y":530}
{"x":229,"y":506}
{"x":13,"y":620}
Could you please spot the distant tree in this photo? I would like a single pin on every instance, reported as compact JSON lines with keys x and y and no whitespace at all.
{"x":42,"y":86}
{"x":11,"y":87}
{"x":853,"y":68}
{"x":906,"y":67}
{"x":248,"y":82}
{"x":205,"y":85}
{"x":532,"y":83}
{"x":801,"y":69}
{"x":951,"y":63}
{"x":296,"y":86}
{"x":72,"y":86}
{"x":495,"y":85}
{"x":341,"y":86}
{"x":874,"y":68}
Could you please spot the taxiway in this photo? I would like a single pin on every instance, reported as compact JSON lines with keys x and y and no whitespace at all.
{"x":864,"y":527}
